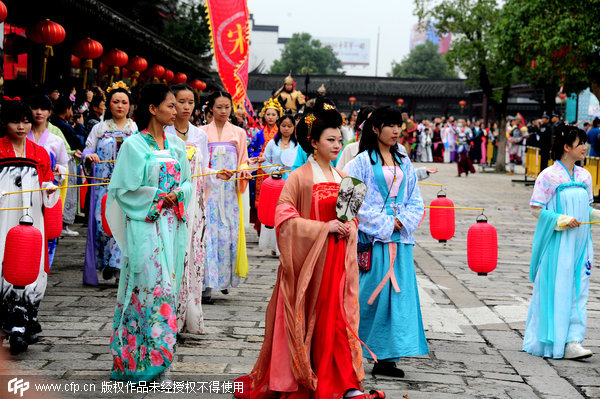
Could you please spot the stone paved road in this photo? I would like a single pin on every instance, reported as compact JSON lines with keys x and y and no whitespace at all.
{"x":474,"y":324}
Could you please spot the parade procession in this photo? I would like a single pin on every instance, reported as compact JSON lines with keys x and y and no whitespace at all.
{"x":252,"y":200}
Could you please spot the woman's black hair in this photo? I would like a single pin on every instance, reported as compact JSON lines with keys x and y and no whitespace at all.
{"x":152,"y":94}
{"x":363,"y":115}
{"x":40,"y":101}
{"x":382,"y":116}
{"x":306,"y":132}
{"x":290,"y":117}
{"x":96,"y":101}
{"x":565,"y":134}
{"x":107,"y":112}
{"x":216,"y":94}
{"x":182,"y":87}
{"x":14,"y":112}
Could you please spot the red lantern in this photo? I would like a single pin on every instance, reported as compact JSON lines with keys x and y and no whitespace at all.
{"x":168,"y":76}
{"x":157,"y":71}
{"x":105,"y":225}
{"x":180,"y":78}
{"x":22,"y":254}
{"x":103,"y":68}
{"x":3,"y":12}
{"x":562,"y":96}
{"x":47,"y":32}
{"x":53,"y":221}
{"x":50,"y":34}
{"x":400,"y":101}
{"x":197,"y":84}
{"x":88,"y":49}
{"x":482,"y":247}
{"x":75,"y":62}
{"x":462,"y":104}
{"x":137,"y":64}
{"x":115,"y":57}
{"x":352,"y":100}
{"x":125,"y":73}
{"x":267,"y":201}
{"x":441,"y":220}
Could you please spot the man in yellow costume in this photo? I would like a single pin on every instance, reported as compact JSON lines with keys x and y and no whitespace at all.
{"x":291,"y":99}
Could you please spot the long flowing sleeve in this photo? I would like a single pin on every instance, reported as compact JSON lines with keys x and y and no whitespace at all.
{"x":91,"y":143}
{"x":270,"y":157}
{"x":374,"y":221}
{"x":410,"y":211}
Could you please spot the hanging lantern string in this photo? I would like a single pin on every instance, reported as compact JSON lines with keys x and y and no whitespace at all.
{"x":237,"y":170}
{"x":56,"y":188}
{"x":84,"y":176}
{"x":455,"y":207}
{"x":14,"y":209}
{"x":432,"y":184}
{"x":266,"y":174}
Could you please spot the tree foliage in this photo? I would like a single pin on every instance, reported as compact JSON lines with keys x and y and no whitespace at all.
{"x":303,"y":54}
{"x":180,"y":22}
{"x":555,"y":43}
{"x":476,"y":50}
{"x":423,"y":62}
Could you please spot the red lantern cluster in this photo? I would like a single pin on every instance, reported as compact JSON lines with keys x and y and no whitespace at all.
{"x":441,"y":220}
{"x":105,"y":225}
{"x":88,"y":49}
{"x":482,"y":247}
{"x":23,"y":253}
{"x":53,"y":221}
{"x":269,"y":196}
{"x":197,"y":84}
{"x":180,"y":78}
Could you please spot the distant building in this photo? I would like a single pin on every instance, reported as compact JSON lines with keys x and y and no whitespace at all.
{"x":266,"y":46}
{"x":420,"y":36}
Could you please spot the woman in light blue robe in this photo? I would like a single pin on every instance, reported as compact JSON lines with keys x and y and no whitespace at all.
{"x":562,"y":252}
{"x":390,"y":316}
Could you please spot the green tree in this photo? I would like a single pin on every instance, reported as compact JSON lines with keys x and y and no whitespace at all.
{"x":303,"y":54}
{"x":189,"y":28}
{"x":555,"y":43}
{"x":477,"y":51}
{"x":424,"y":62}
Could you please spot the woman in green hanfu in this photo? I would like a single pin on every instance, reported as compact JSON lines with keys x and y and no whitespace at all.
{"x":147,"y":198}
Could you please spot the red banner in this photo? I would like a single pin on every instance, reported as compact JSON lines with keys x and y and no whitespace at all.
{"x":230,"y":34}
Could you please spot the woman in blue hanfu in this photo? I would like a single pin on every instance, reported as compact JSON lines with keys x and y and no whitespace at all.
{"x":562,"y":253}
{"x":147,"y":197}
{"x":390,"y":315}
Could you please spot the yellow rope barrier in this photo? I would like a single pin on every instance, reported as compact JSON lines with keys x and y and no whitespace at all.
{"x":57,"y":188}
{"x":14,"y":209}
{"x":237,"y":170}
{"x":454,"y":207}
{"x":84,"y":176}
{"x":266,"y":174}
{"x":431,"y":184}
{"x":110,"y":160}
{"x":564,"y":225}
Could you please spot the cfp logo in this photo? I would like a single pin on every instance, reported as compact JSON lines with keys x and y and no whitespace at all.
{"x":18,"y":386}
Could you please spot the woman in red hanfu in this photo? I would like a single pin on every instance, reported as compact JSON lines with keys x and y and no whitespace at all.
{"x":24,"y":166}
{"x":311,"y":347}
